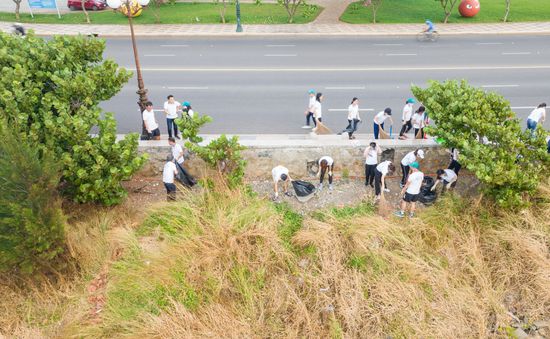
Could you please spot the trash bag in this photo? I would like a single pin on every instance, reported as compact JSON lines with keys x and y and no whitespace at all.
{"x":303,"y":188}
{"x":184,"y":177}
{"x":427,"y":197}
{"x":428,"y":182}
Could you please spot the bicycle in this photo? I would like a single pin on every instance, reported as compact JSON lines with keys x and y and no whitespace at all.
{"x":427,"y":36}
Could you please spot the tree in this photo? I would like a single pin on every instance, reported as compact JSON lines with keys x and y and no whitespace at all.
{"x":507,"y":11}
{"x":375,"y":4}
{"x":291,"y":7}
{"x":223,"y":10}
{"x":506,"y":159}
{"x":49,"y":94}
{"x":17,"y":8}
{"x":156,"y":4}
{"x":82,"y":3}
{"x":448,"y":6}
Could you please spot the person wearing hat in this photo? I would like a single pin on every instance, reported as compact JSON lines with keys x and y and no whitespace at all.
{"x":310,"y":108}
{"x":186,"y":108}
{"x":411,"y":191}
{"x":406,"y":118}
{"x":379,"y":120}
{"x":407,"y":160}
{"x":169,"y":172}
{"x":280,"y":173}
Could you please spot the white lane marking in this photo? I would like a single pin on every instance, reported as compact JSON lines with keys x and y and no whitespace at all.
{"x":354,"y":69}
{"x":345,"y":109}
{"x":280,"y":45}
{"x":523,"y":107}
{"x":188,"y":88}
{"x":280,"y":55}
{"x":498,"y":86}
{"x":160,"y":55}
{"x":489,"y":43}
{"x":346,"y":87}
{"x":388,"y":44}
{"x":401,"y":54}
{"x":516,"y":53}
{"x":174,"y":45}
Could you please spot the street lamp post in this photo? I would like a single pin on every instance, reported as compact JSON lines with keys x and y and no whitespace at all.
{"x":238,"y":9}
{"x":142,"y":91}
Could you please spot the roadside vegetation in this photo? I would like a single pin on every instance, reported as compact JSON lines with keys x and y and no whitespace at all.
{"x":181,"y":13}
{"x":417,"y":11}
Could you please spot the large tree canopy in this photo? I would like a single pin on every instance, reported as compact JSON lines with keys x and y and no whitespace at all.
{"x":49,"y":93}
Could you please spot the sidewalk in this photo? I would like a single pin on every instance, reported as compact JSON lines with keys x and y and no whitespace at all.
{"x":283,"y":30}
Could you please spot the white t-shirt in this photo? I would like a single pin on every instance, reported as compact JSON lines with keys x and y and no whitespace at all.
{"x":454,"y":154}
{"x":317,"y":109}
{"x":169,"y":172}
{"x":172,"y":109}
{"x":329,"y":160}
{"x":383,"y":167}
{"x":353,"y":112}
{"x":277,"y":172}
{"x":381,"y":117}
{"x":537,"y":114}
{"x":449,"y":176}
{"x":149,"y":118}
{"x":407,"y":112}
{"x":408,"y":159}
{"x":190,"y":113}
{"x":415,"y":182}
{"x":176,"y":151}
{"x":418,"y":120}
{"x":312,"y":101}
{"x":371,"y":155}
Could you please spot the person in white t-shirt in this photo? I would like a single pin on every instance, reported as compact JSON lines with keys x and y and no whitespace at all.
{"x":406,"y":118}
{"x":411,"y":191}
{"x":419,"y":122}
{"x":408,"y":159}
{"x":177,"y":151}
{"x":371,"y":161}
{"x":537,"y":116}
{"x":187,"y":109}
{"x":379,"y":120}
{"x":280,"y":173}
{"x":309,"y":111}
{"x":318,"y":108}
{"x":382,"y":170}
{"x":455,"y":165}
{"x":150,"y":122}
{"x":353,"y":118}
{"x":169,"y":173}
{"x":447,"y":176}
{"x":171,"y":107}
{"x":325,"y":163}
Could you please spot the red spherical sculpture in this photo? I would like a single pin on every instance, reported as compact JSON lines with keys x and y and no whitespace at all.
{"x":469,"y":8}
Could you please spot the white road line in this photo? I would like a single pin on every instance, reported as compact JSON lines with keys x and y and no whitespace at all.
{"x":174,"y":45}
{"x":516,"y":53}
{"x":280,"y":55}
{"x":346,"y":87}
{"x":498,"y":86}
{"x":160,"y":55}
{"x":351,"y":69}
{"x":489,"y":43}
{"x":401,"y":54}
{"x":280,"y":45}
{"x":188,"y":88}
{"x":345,"y":109}
{"x":523,"y":107}
{"x":388,"y":44}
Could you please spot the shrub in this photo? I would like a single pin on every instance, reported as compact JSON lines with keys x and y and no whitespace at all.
{"x":31,"y":220}
{"x":49,"y":94}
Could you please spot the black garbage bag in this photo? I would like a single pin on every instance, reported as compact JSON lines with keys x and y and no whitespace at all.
{"x":184,"y":177}
{"x":427,"y":197}
{"x":303,"y":188}
{"x":428,"y":182}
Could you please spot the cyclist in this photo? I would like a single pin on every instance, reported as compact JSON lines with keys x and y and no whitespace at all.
{"x":430,"y":29}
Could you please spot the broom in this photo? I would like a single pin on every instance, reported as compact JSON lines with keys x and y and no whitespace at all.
{"x":384,"y":206}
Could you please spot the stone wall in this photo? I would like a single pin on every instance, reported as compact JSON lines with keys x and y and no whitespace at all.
{"x":301,"y":159}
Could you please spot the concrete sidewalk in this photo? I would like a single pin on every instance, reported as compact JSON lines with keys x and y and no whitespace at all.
{"x":283,"y":30}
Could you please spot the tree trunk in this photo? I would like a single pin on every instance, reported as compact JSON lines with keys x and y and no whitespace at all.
{"x":447,"y":15}
{"x":85,"y":11}
{"x":505,"y":19}
{"x":222,"y":11}
{"x":373,"y":15}
{"x":17,"y":7}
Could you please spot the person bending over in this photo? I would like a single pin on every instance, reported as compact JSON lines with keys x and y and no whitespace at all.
{"x":325,"y":163}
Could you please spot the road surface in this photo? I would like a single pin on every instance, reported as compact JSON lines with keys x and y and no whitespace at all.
{"x":256,"y":85}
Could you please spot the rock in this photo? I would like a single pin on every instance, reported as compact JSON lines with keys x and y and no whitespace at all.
{"x":519,"y":333}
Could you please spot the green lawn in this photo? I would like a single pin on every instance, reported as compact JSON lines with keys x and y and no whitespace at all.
{"x":180,"y":13}
{"x":417,"y":11}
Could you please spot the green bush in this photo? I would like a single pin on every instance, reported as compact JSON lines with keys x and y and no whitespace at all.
{"x":506,"y":159}
{"x":31,"y":220}
{"x":49,"y":94}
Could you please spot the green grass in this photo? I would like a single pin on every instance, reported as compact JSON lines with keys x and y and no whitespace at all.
{"x":180,"y":13}
{"x":417,"y":11}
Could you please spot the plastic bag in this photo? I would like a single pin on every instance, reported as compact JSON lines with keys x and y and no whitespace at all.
{"x":184,"y":177}
{"x":303,"y":188}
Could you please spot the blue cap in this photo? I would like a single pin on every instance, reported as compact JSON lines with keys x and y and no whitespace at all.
{"x":186,"y":103}
{"x":428,"y":22}
{"x":411,"y":101}
{"x":311,"y":91}
{"x":415,"y":165}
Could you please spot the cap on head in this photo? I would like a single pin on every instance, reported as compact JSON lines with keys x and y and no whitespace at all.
{"x":415,"y":165}
{"x":387,"y":111}
{"x":311,"y":91}
{"x":186,"y":103}
{"x":411,"y":101}
{"x":420,"y":154}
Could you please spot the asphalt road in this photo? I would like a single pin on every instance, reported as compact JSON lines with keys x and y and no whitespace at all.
{"x":255,"y":85}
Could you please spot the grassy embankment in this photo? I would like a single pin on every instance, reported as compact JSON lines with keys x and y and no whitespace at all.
{"x":228,"y":264}
{"x":180,"y":13}
{"x":417,"y":11}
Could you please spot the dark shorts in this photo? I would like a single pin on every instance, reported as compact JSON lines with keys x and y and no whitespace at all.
{"x":411,"y":197}
{"x":155,"y":132}
{"x":445,"y":183}
{"x":170,"y":187}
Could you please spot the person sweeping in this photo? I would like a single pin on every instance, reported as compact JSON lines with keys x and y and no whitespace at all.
{"x":411,"y":191}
